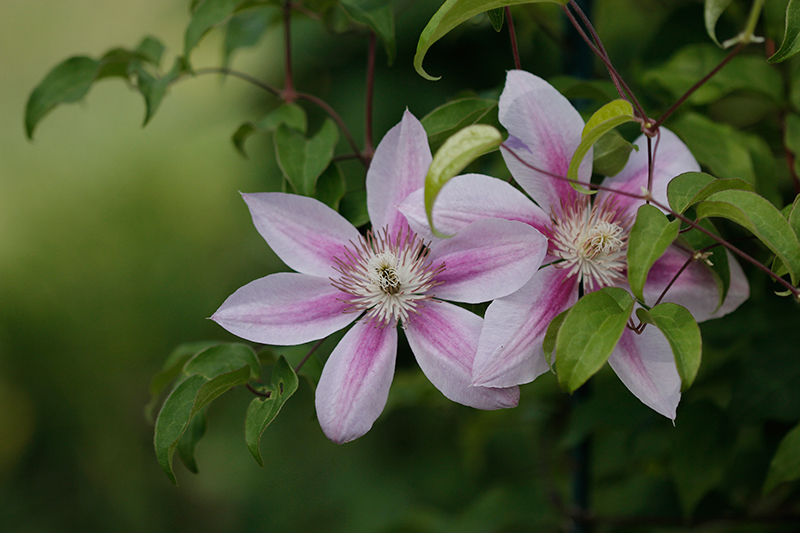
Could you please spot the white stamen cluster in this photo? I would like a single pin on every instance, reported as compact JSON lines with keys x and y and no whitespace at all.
{"x":387,"y":277}
{"x":592,"y":241}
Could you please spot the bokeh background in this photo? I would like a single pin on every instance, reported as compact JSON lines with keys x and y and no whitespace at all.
{"x":117,"y":242}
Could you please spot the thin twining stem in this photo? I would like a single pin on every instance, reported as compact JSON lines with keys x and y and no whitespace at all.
{"x":310,"y":352}
{"x":288,"y":83}
{"x":648,"y":196}
{"x":513,"y":35}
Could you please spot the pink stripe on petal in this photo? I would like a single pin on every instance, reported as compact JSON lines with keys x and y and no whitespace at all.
{"x":398,"y":168}
{"x":284,"y":309}
{"x":355,"y":381}
{"x":305,"y":233}
{"x":510,"y":346}
{"x":488,"y":259}
{"x":444,"y":339}
{"x":646,"y":366}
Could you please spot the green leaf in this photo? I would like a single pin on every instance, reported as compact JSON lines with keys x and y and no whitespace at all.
{"x":154,"y":89}
{"x":150,"y":50}
{"x":611,"y":153}
{"x":497,"y":17}
{"x":713,"y":10}
{"x":650,"y":236}
{"x":785,"y":465}
{"x":188,"y":441}
{"x":604,"y":120}
{"x":719,"y":267}
{"x":304,"y":160}
{"x":447,"y":119}
{"x":573,"y":88}
{"x":353,"y":207}
{"x":290,"y":114}
{"x":331,"y":186}
{"x":690,"y":188}
{"x":681,"y":330}
{"x":246,"y":28}
{"x":761,"y":218}
{"x":550,"y":336}
{"x":791,"y":36}
{"x":205,"y":16}
{"x":223,"y":358}
{"x":262,"y":411}
{"x":456,"y":153}
{"x":589,"y":333}
{"x":451,"y":14}
{"x":379,"y":17}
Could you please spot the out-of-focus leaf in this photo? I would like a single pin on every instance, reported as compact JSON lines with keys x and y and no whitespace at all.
{"x":791,"y":137}
{"x":761,"y":218}
{"x":649,"y":238}
{"x":605,"y":119}
{"x":681,"y":330}
{"x":549,"y":344}
{"x":290,"y":114}
{"x":353,"y":207}
{"x":690,"y":188}
{"x":188,"y":441}
{"x":719,"y":267}
{"x":601,"y":91}
{"x":611,"y":153}
{"x":791,"y":36}
{"x":303,"y":160}
{"x":785,"y":464}
{"x":331,"y":186}
{"x":589,"y":333}
{"x":713,"y":10}
{"x":378,"y":16}
{"x":456,"y":153}
{"x":451,"y":14}
{"x":150,"y":50}
{"x":205,"y":16}
{"x":246,"y":28}
{"x":497,"y":17}
{"x":447,"y":119}
{"x":262,"y":411}
{"x":154,"y":89}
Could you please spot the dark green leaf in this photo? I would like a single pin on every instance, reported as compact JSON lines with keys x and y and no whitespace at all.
{"x":304,"y":160}
{"x":262,"y":411}
{"x":713,"y":10}
{"x":497,"y":17}
{"x":791,"y":37}
{"x":353,"y":207}
{"x":681,"y":330}
{"x":246,"y":28}
{"x":589,"y":333}
{"x":379,"y":17}
{"x":150,"y":50}
{"x":223,"y":358}
{"x":290,"y":114}
{"x":650,"y":236}
{"x":600,"y":91}
{"x":550,"y":336}
{"x":331,"y":186}
{"x":447,"y":119}
{"x":205,"y":16}
{"x":189,"y":439}
{"x":690,"y":188}
{"x":611,"y":153}
{"x":785,"y":465}
{"x":719,"y":267}
{"x":154,"y":89}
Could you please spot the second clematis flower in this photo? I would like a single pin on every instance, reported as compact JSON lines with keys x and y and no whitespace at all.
{"x":587,"y":244}
{"x":388,"y":277}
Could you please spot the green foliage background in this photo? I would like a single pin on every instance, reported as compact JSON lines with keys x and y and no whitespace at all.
{"x":116,"y":244}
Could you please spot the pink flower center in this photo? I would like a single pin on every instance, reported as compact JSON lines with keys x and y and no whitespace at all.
{"x":386,"y":277}
{"x":591,"y":240}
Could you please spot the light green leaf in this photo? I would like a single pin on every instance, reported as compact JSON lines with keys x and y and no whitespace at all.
{"x":205,"y":16}
{"x":456,"y":153}
{"x":604,"y":120}
{"x":377,"y":15}
{"x":447,"y":119}
{"x":791,"y":36}
{"x":497,"y":17}
{"x":451,"y":14}
{"x":761,"y":218}
{"x":611,"y":153}
{"x":262,"y":411}
{"x":785,"y":465}
{"x":331,"y":186}
{"x":649,"y":238}
{"x":681,"y":330}
{"x":589,"y":333}
{"x":188,"y":441}
{"x":549,"y":344}
{"x":713,"y":10}
{"x":690,"y":188}
{"x":303,"y":160}
{"x":353,"y":207}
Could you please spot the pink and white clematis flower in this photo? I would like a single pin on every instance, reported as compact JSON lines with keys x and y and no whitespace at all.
{"x":587,"y":244}
{"x":387,"y":277}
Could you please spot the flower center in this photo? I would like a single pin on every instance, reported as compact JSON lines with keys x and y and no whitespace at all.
{"x":387,"y":277}
{"x":591,"y":240}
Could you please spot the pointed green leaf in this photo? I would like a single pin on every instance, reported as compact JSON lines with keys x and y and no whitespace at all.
{"x":189,"y":439}
{"x":303,"y":160}
{"x":681,"y":330}
{"x":497,"y":17}
{"x":611,"y":154}
{"x":290,"y":114}
{"x":650,"y":236}
{"x":690,"y":188}
{"x":791,"y":36}
{"x":246,"y":28}
{"x":262,"y":411}
{"x":785,"y":465}
{"x":713,"y":10}
{"x":377,"y":15}
{"x":154,"y":89}
{"x":761,"y":218}
{"x":451,"y":14}
{"x":604,"y":120}
{"x":719,"y":266}
{"x":150,"y":50}
{"x":223,"y":358}
{"x":456,"y":153}
{"x":205,"y":16}
{"x":331,"y":186}
{"x":549,"y":344}
{"x":589,"y":333}
{"x":447,"y":119}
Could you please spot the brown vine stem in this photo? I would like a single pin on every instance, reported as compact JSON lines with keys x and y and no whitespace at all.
{"x":310,"y":352}
{"x":513,"y":35}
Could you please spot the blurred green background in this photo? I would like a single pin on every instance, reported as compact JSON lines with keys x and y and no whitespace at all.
{"x":117,"y":243}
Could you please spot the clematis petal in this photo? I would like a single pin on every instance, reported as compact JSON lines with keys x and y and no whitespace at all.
{"x":305,"y":233}
{"x":355,"y":382}
{"x":544,"y":130}
{"x":444,"y":339}
{"x":397,"y":169}
{"x":284,"y":309}
{"x":646,"y":366}
{"x":465,"y":199}
{"x":510,"y":346}
{"x":487,"y":259}
{"x":672,"y":158}
{"x":695,"y":289}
